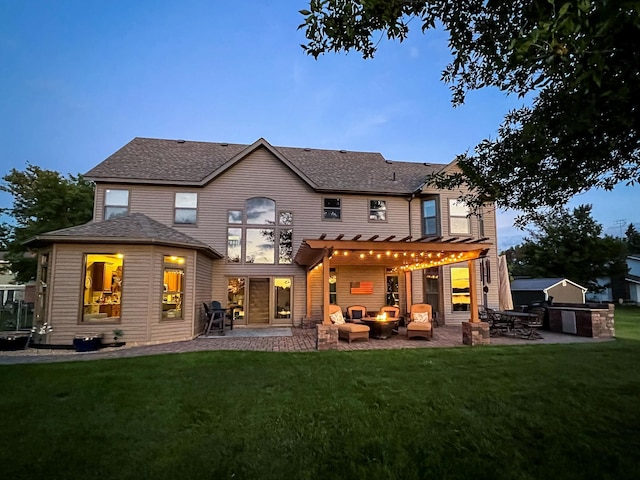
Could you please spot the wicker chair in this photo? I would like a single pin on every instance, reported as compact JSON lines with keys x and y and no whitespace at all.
{"x":420,"y":329}
{"x":355,"y":313}
{"x":392,"y":312}
{"x":350,"y":331}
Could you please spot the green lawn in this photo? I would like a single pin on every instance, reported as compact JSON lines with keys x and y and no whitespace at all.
{"x":537,"y":411}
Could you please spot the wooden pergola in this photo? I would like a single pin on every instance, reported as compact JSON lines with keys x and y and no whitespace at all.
{"x":404,"y":253}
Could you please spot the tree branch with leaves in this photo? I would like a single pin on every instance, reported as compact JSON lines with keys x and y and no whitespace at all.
{"x":578,"y":60}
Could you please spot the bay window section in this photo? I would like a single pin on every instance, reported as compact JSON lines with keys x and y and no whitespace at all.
{"x":116,"y":202}
{"x":186,"y":208}
{"x":282,"y":304}
{"x":460,"y":289}
{"x":234,"y":216}
{"x":173,"y":287}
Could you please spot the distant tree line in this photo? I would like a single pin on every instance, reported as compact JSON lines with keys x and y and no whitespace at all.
{"x":570,"y":244}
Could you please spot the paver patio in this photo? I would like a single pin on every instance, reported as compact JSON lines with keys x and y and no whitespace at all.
{"x":301,"y":340}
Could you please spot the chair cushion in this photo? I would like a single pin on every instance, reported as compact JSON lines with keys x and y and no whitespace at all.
{"x":337,"y":318}
{"x":356,"y":314}
{"x":353,"y":327}
{"x":426,"y":326}
{"x":421,"y":317}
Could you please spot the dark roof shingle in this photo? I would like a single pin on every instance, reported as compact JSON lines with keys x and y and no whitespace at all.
{"x":186,"y":162}
{"x":135,"y":228}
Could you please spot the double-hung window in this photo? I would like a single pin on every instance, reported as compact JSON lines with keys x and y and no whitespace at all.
{"x":458,"y":218}
{"x":378,"y":210}
{"x":186,"y":208}
{"x":430,"y":216}
{"x":332,"y":209}
{"x":116,"y":202}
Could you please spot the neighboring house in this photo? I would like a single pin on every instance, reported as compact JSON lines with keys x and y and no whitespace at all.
{"x":9,"y":291}
{"x":632,"y":279}
{"x":526,"y":291}
{"x":275,"y":234}
{"x":622,"y":288}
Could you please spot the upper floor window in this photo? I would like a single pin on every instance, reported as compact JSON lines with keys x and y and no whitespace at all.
{"x":266,"y":244}
{"x":261,"y":211}
{"x":430,"y":217}
{"x":186,"y":208}
{"x":116,"y":202}
{"x":378,"y":210}
{"x":458,"y":217}
{"x":332,"y":209}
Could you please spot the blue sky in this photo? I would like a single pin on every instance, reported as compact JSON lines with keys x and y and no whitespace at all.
{"x":80,"y":78}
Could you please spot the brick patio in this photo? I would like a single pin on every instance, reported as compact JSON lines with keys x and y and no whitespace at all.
{"x":302,"y":340}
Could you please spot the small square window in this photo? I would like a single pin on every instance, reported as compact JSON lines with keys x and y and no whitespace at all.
{"x":332,"y":209}
{"x":378,"y":210}
{"x":234,"y":216}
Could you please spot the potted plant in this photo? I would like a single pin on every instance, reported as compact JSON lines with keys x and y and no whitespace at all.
{"x":87,"y":342}
{"x":117,"y":333}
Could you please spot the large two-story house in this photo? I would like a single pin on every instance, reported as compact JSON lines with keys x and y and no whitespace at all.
{"x":275,"y":234}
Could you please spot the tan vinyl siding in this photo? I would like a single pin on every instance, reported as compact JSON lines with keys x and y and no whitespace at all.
{"x":171,"y":329}
{"x":140,"y":316}
{"x":261,"y":174}
{"x":202,"y":289}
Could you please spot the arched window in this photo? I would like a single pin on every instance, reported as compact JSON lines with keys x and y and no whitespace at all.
{"x":261,"y":211}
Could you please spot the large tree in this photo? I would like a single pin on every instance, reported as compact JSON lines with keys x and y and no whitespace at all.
{"x":578,"y":60}
{"x":43,"y":201}
{"x":632,"y":237}
{"x":569,"y":245}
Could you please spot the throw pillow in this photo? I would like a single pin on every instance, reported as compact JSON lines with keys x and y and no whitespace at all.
{"x":421,"y":317}
{"x":337,"y":318}
{"x":356,"y":314}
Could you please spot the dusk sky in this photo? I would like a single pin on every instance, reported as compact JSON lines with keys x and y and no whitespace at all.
{"x":81,"y":78}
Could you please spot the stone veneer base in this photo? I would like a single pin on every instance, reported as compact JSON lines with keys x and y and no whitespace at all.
{"x":475,"y":333}
{"x":327,"y":337}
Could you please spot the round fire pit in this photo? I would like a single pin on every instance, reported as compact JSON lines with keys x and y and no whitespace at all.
{"x":380,"y":329}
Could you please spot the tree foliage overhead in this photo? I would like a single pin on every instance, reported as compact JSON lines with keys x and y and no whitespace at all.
{"x":569,"y":245}
{"x":43,"y":201}
{"x":580,"y":60}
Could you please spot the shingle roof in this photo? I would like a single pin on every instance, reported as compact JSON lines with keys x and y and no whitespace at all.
{"x":537,"y":284}
{"x":196,"y":163}
{"x":135,"y":228}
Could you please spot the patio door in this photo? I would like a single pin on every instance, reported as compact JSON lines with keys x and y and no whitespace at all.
{"x":259,"y":297}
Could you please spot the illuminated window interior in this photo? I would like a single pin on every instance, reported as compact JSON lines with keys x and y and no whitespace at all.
{"x":173,"y":288}
{"x":102,"y":286}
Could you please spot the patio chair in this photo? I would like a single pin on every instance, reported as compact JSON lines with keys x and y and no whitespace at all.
{"x":355,"y":313}
{"x":420,"y":321}
{"x":391,"y":311}
{"x":347,"y":331}
{"x":216,"y":316}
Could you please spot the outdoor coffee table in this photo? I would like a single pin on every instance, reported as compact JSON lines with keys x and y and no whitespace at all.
{"x":380,"y":329}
